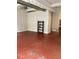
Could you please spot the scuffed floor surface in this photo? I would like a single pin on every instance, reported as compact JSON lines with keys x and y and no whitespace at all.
{"x":32,"y":45}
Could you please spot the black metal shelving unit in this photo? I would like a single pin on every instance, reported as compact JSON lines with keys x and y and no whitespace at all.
{"x":40,"y":26}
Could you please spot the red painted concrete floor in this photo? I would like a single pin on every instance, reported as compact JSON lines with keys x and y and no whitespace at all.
{"x":32,"y":45}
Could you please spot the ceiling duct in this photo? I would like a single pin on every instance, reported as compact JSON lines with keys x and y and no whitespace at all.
{"x":31,"y":11}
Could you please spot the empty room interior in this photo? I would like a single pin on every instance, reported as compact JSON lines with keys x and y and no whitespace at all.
{"x":38,"y":29}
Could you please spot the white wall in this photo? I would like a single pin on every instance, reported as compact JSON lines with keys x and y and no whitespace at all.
{"x":33,"y":17}
{"x":28,"y":21}
{"x":55,"y":19}
{"x":21,"y":19}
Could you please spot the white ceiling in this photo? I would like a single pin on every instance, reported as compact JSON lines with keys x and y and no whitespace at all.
{"x":50,"y":3}
{"x":53,"y":1}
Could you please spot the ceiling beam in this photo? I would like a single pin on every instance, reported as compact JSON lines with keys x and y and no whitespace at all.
{"x":56,"y":5}
{"x":30,"y":5}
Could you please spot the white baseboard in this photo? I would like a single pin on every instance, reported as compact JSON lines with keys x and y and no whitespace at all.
{"x":55,"y":30}
{"x":31,"y":30}
{"x":21,"y":30}
{"x":46,"y":32}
